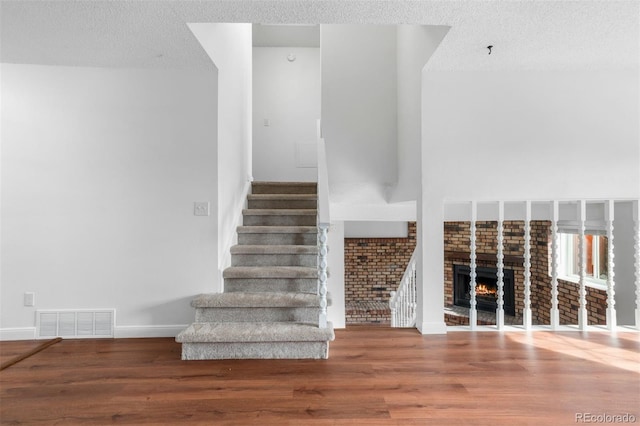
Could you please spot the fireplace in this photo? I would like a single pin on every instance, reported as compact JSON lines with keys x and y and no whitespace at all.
{"x":486,"y":288}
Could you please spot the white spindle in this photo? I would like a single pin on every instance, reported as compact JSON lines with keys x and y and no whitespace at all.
{"x":500,"y":267}
{"x":322,"y":274}
{"x":636,"y":254}
{"x":555,"y":256}
{"x":392,"y":307}
{"x":526,"y":314}
{"x":473,"y":314}
{"x":582,"y":265}
{"x":611,"y":302}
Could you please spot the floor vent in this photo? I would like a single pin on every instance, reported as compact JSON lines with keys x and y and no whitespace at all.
{"x":77,"y":324}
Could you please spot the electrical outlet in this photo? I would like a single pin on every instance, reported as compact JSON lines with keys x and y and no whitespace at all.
{"x":29,"y":299}
{"x":201,"y":208}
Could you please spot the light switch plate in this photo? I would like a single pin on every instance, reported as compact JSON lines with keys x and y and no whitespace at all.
{"x":29,"y":299}
{"x":201,"y":208}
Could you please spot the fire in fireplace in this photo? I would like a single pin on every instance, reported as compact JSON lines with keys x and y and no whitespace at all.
{"x":486,"y":288}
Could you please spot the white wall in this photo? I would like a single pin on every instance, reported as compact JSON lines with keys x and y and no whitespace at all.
{"x":415,"y":45}
{"x":229,"y":47}
{"x":287,"y":94}
{"x":541,"y":135}
{"x":100,"y":169}
{"x":359,"y":110}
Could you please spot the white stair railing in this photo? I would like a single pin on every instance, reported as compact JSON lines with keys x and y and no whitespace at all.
{"x":324,"y":219}
{"x":403,"y":301}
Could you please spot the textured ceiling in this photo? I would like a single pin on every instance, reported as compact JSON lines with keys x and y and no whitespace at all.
{"x":533,"y":34}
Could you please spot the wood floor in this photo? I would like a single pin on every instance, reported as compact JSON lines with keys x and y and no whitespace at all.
{"x":374,"y":376}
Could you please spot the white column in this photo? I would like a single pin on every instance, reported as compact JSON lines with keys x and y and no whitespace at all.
{"x":555,"y":255}
{"x":636,"y":254}
{"x":526,"y":314}
{"x":611,"y":302}
{"x":473,"y":313}
{"x":582,"y":266}
{"x":322,"y":273}
{"x":392,"y":307}
{"x":500,"y":267}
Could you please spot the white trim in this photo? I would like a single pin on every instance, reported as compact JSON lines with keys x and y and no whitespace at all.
{"x":135,"y":331}
{"x":519,"y":328}
{"x":588,"y":281}
{"x":18,"y":333}
{"x":433,"y":328}
{"x":224,"y":257}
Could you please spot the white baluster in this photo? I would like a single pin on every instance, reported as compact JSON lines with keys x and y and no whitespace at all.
{"x":526,"y":314}
{"x":500,"y":267}
{"x":392,"y":307}
{"x":555,"y":256}
{"x":611,"y":301}
{"x":582,"y":265}
{"x":636,"y":255}
{"x":322,"y":274}
{"x":473,"y":314}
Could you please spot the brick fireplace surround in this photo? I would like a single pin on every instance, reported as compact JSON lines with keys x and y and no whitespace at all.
{"x":374,"y":267}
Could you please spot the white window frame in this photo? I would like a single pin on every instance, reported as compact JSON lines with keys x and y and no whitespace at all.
{"x":567,"y":258}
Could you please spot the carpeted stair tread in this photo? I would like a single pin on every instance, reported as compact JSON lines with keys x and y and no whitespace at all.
{"x":274,"y":249}
{"x":256,"y":300}
{"x":255,"y":332}
{"x":277,"y":229}
{"x":293,"y":197}
{"x":270,"y":272}
{"x":280,"y":212}
{"x":284,"y":188}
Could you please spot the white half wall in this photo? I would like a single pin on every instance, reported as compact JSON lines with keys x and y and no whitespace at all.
{"x":100,"y":169}
{"x":286,"y":106}
{"x":359,"y":110}
{"x":229,"y":47}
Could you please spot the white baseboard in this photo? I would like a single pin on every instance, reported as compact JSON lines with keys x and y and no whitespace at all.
{"x":433,"y":328}
{"x":121,"y":332}
{"x":18,"y":333}
{"x":134,"y":331}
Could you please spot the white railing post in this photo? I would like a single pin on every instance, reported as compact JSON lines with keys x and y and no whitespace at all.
{"x":473,"y":314}
{"x":526,"y":314}
{"x":324,"y":219}
{"x":611,"y":301}
{"x":555,"y":256}
{"x":322,"y":274}
{"x":582,"y":265}
{"x":500,"y":267}
{"x":636,"y":255}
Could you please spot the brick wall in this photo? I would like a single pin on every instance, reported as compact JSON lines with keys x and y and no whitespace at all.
{"x":373,"y":268}
{"x":456,"y":239}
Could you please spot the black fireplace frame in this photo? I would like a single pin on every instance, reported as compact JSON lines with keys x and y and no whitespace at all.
{"x":461,"y":293}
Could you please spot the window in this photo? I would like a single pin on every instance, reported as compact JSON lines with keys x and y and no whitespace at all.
{"x":596,"y":259}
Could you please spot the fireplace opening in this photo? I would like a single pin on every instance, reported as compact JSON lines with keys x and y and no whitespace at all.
{"x":486,"y":288}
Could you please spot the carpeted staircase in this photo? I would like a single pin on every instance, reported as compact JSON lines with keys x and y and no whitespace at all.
{"x":270,"y":307}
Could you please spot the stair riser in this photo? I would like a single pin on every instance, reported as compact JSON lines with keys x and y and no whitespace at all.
{"x":256,"y":350}
{"x":282,"y":204}
{"x":304,"y":315}
{"x":282,"y":189}
{"x":279,"y":220}
{"x":266,"y":285}
{"x":278,"y":239}
{"x":310,"y":260}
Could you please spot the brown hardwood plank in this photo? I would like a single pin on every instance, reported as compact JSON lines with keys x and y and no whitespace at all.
{"x":374,"y":376}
